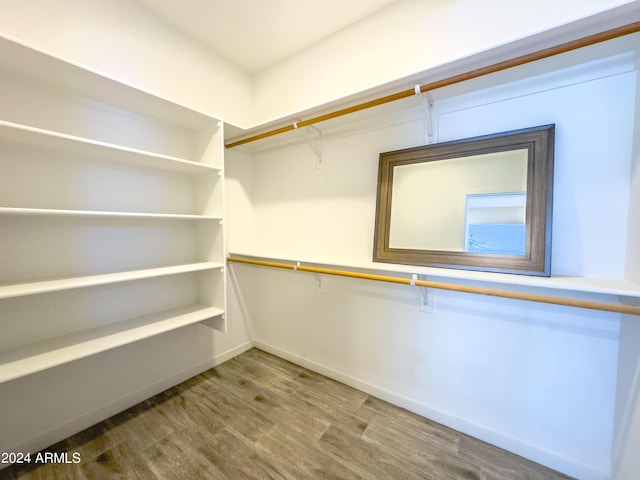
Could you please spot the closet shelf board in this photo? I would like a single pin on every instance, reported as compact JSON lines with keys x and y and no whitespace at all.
{"x":101,"y":213}
{"x":17,"y":133}
{"x":36,"y":357}
{"x":68,"y":283}
{"x":22,"y":61}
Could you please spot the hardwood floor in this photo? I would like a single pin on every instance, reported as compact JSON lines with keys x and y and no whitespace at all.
{"x":260,"y":417}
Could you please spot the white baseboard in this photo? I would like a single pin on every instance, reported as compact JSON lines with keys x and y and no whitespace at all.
{"x":499,"y":439}
{"x":69,"y":428}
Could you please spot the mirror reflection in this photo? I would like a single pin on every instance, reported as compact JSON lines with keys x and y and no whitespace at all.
{"x":495,"y":223}
{"x":465,"y":204}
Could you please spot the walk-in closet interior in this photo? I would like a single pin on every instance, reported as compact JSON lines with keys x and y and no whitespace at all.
{"x":188,"y":184}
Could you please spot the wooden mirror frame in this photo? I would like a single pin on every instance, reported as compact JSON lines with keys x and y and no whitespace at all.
{"x":539,"y":141}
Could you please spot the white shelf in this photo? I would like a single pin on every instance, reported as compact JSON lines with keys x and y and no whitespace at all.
{"x":68,"y":283}
{"x":16,"y":133}
{"x":24,"y":61}
{"x":100,"y":213}
{"x":567,"y":283}
{"x":36,"y":357}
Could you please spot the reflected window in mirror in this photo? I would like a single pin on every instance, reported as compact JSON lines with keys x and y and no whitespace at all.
{"x":495,"y":223}
{"x":482,"y":203}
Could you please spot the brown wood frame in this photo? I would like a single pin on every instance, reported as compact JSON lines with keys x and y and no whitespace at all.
{"x":539,"y":141}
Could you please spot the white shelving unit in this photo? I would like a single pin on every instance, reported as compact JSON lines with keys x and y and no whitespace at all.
{"x":111,"y":214}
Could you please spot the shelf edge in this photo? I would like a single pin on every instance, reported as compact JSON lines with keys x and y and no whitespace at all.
{"x":63,"y":138}
{"x":33,"y":358}
{"x":102,"y":213}
{"x":72,"y":283}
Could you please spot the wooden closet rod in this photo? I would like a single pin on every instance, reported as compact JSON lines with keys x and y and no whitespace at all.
{"x":530,"y":297}
{"x":479,"y":72}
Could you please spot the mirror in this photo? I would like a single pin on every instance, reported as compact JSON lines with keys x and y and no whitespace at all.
{"x":482,"y":203}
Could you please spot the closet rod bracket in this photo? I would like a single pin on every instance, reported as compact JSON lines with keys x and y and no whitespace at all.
{"x":425,"y":299}
{"x":316,"y":143}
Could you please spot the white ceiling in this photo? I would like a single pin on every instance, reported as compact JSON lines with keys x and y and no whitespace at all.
{"x":254,"y":34}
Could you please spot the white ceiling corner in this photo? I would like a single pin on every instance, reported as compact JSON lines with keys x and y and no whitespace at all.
{"x":254,"y":34}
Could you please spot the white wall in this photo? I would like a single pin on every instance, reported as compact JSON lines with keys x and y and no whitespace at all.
{"x":413,"y":36}
{"x":539,"y":380}
{"x":633,"y":253}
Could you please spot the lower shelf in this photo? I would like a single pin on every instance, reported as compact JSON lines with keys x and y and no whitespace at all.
{"x":36,"y":357}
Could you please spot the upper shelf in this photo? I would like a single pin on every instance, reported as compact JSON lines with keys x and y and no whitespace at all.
{"x":25,"y":62}
{"x":101,"y":213}
{"x":16,"y":133}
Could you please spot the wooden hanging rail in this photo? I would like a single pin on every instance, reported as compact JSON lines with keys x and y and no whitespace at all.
{"x":530,"y":297}
{"x":479,"y":72}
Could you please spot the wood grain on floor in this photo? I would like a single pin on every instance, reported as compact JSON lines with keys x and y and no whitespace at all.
{"x":260,"y":417}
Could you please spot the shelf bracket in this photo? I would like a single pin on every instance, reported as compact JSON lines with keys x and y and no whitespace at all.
{"x":316,"y":144}
{"x":320,"y":284}
{"x":428,"y":107}
{"x":425,"y":299}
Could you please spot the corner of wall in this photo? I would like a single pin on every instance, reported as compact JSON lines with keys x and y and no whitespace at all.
{"x":625,"y":462}
{"x":632,"y":272}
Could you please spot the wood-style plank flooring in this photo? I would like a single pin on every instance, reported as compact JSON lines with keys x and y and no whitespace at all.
{"x":260,"y":417}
